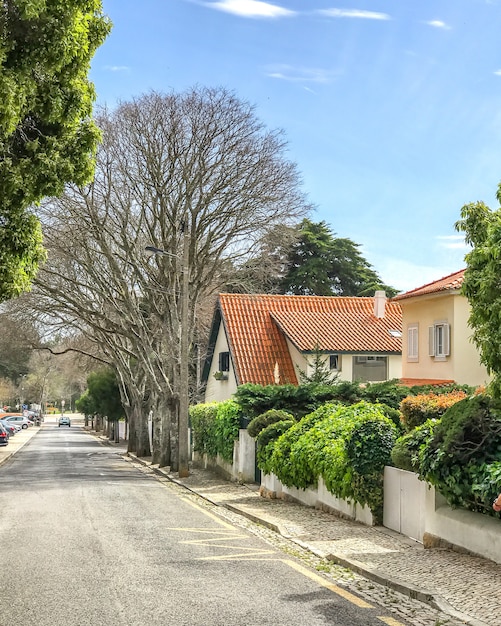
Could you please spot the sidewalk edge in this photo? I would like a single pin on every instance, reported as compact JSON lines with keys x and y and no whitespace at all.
{"x":422,"y":595}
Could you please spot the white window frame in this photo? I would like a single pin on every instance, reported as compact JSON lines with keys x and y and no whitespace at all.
{"x":439,"y":340}
{"x":413,"y":342}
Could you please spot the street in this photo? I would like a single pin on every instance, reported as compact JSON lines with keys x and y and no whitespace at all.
{"x":90,"y":538}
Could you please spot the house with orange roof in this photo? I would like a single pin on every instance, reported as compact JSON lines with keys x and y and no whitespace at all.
{"x":270,"y":339}
{"x":436,"y":338}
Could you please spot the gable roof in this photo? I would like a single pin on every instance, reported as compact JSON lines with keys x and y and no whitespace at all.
{"x":450,"y":283}
{"x":258,"y":326}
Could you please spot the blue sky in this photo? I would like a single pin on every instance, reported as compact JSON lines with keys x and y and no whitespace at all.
{"x":391,"y":108}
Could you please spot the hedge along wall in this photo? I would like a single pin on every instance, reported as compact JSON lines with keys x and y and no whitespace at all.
{"x":215,"y":428}
{"x":347,"y":445}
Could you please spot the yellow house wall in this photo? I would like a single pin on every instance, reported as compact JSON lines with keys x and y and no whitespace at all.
{"x":467,"y":367}
{"x":219,"y":390}
{"x":463,"y":364}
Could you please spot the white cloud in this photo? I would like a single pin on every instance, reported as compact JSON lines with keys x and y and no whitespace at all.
{"x":300,"y":74}
{"x":452,"y":242}
{"x":438,"y":24}
{"x":355,"y":13}
{"x":497,"y":72}
{"x":250,"y":8}
{"x":116,"y":68}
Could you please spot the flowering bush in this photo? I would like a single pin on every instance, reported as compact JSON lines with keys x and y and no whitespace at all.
{"x":416,"y":410}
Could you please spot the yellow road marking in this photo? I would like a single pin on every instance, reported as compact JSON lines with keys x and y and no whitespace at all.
{"x":211,"y":515}
{"x":243,"y":556}
{"x":325,"y":583}
{"x":390,"y":621}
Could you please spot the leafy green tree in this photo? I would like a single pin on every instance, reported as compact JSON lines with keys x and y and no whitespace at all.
{"x":481,"y":285}
{"x":321,"y":264}
{"x":103,"y":390}
{"x":47,"y":137}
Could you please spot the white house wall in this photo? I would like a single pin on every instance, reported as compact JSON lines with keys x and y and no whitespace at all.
{"x":219,"y":390}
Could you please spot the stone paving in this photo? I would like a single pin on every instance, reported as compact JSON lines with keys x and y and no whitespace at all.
{"x":466,"y":587}
{"x":456,"y":588}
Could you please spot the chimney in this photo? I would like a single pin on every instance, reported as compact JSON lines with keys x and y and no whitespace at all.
{"x":379,"y":303}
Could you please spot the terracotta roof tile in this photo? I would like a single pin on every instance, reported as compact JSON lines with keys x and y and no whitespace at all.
{"x":451,"y":282}
{"x":413,"y":382}
{"x":257,"y":326}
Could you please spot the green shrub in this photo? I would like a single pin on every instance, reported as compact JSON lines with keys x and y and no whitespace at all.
{"x":265,"y":419}
{"x":465,"y":443}
{"x":203,"y":424}
{"x":282,"y":462}
{"x":416,"y":410}
{"x":227,"y":426}
{"x":405,"y":452}
{"x":347,"y":445}
{"x":389,"y":392}
{"x":215,"y":428}
{"x":266,"y":442}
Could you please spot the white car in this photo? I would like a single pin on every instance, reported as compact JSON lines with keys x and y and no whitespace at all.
{"x":20,"y":420}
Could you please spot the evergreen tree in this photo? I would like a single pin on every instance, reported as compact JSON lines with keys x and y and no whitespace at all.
{"x":321,"y":264}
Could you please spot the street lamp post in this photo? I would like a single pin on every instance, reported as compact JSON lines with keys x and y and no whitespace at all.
{"x":184,"y":401}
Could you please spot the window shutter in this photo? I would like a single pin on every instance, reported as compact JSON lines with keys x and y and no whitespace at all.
{"x":431,"y":340}
{"x":447,"y":337}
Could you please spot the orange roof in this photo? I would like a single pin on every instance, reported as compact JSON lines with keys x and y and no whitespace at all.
{"x":452,"y":282}
{"x":257,"y":327}
{"x":418,"y":382}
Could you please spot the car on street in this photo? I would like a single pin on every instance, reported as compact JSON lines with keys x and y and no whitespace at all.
{"x":17,"y":418}
{"x":4,"y":436}
{"x":64,"y":421}
{"x":11,"y":428}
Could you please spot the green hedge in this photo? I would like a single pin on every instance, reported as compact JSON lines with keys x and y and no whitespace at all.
{"x":463,"y":457}
{"x":347,"y":445}
{"x":215,"y":428}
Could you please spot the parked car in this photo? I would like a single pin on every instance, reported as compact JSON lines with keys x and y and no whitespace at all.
{"x":64,"y":421}
{"x":4,"y":436}
{"x":11,"y":428}
{"x":17,"y":418}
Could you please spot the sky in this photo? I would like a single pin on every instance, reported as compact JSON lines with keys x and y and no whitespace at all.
{"x":391,"y":108}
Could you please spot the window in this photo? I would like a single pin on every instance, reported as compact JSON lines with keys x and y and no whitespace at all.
{"x":335,"y":362}
{"x":370,"y":368}
{"x":224,"y":361}
{"x":412,"y":343}
{"x":439,"y":340}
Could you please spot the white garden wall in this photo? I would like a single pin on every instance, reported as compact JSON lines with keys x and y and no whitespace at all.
{"x":411,"y":507}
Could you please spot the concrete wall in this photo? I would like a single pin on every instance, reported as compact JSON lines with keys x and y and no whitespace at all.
{"x":411,"y":507}
{"x":415,"y":509}
{"x":318,"y":497}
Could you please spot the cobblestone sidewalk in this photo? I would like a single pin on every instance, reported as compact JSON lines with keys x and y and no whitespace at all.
{"x":465,"y":587}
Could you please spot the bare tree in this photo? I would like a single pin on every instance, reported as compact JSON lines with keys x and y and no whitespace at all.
{"x":195,"y":169}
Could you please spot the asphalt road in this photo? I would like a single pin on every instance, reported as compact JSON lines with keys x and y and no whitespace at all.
{"x":88,"y":538}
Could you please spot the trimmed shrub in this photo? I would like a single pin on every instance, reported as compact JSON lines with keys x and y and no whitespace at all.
{"x":416,"y":410}
{"x":459,"y":456}
{"x":405,"y":452}
{"x":266,"y":443}
{"x":215,"y":428}
{"x":265,"y":419}
{"x":347,"y":445}
{"x":203,"y":421}
{"x":227,"y":426}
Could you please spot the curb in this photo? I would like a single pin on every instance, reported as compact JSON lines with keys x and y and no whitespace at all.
{"x":411,"y":591}
{"x":11,"y":453}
